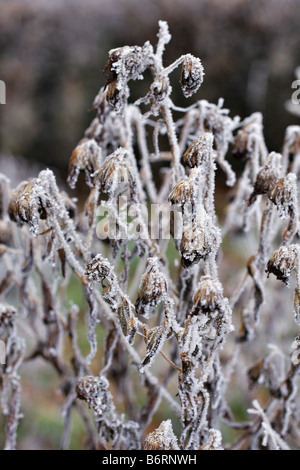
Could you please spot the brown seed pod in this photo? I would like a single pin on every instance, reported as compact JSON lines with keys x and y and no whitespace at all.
{"x":163,"y":438}
{"x":284,"y":195}
{"x":153,"y":288}
{"x":85,"y":157}
{"x":25,"y":205}
{"x":208,"y":296}
{"x":185,"y":191}
{"x":265,"y":181}
{"x":115,"y":175}
{"x":124,"y":64}
{"x":198,"y":151}
{"x":283,"y":262}
{"x":126,"y":317}
{"x":192,"y":74}
{"x":199,"y":240}
{"x":99,"y":269}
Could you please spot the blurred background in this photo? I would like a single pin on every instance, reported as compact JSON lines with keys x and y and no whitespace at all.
{"x":52,"y":55}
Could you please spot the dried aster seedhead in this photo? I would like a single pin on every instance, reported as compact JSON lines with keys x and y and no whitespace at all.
{"x":86,"y":157}
{"x":99,"y":269}
{"x":29,"y":203}
{"x":198,"y":151}
{"x":192,"y":75}
{"x":115,"y":175}
{"x":163,"y":438}
{"x":283,"y":262}
{"x":265,"y":181}
{"x":284,"y":195}
{"x":208,"y":296}
{"x":124,"y":64}
{"x":153,"y":288}
{"x":199,"y":240}
{"x":186,"y":191}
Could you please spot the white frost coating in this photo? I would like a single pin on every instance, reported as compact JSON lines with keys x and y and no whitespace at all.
{"x":271,"y":438}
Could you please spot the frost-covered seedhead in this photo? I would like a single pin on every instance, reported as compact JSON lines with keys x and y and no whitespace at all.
{"x":208,"y":296}
{"x":115,"y":175}
{"x":163,"y":438}
{"x":124,"y":64}
{"x":214,"y":442}
{"x":201,"y":239}
{"x":192,"y":74}
{"x":86,"y":157}
{"x":284,"y":195}
{"x":153,"y":288}
{"x":187,"y":190}
{"x":283,"y":262}
{"x":99,"y":269}
{"x":199,"y":151}
{"x":29,"y":203}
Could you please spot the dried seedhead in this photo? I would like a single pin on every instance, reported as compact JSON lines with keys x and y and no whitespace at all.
{"x":115,"y":175}
{"x":153,"y":288}
{"x":198,"y":151}
{"x":86,"y":157}
{"x":99,"y":269}
{"x":208,"y":296}
{"x":124,"y":64}
{"x":192,"y":75}
{"x":199,"y":240}
{"x":163,"y":438}
{"x":283,"y":262}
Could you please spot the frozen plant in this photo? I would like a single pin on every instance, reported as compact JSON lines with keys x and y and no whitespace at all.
{"x":184,"y":327}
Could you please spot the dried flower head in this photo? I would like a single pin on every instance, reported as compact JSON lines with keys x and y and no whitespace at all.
{"x":192,"y":75}
{"x":153,"y":288}
{"x":199,"y":240}
{"x":284,"y":195}
{"x":163,"y":438}
{"x":99,"y":269}
{"x":283,"y":262}
{"x":208,"y":296}
{"x":115,"y":174}
{"x":86,"y":157}
{"x":124,"y":64}
{"x":29,"y":203}
{"x":198,"y":151}
{"x":186,"y":191}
